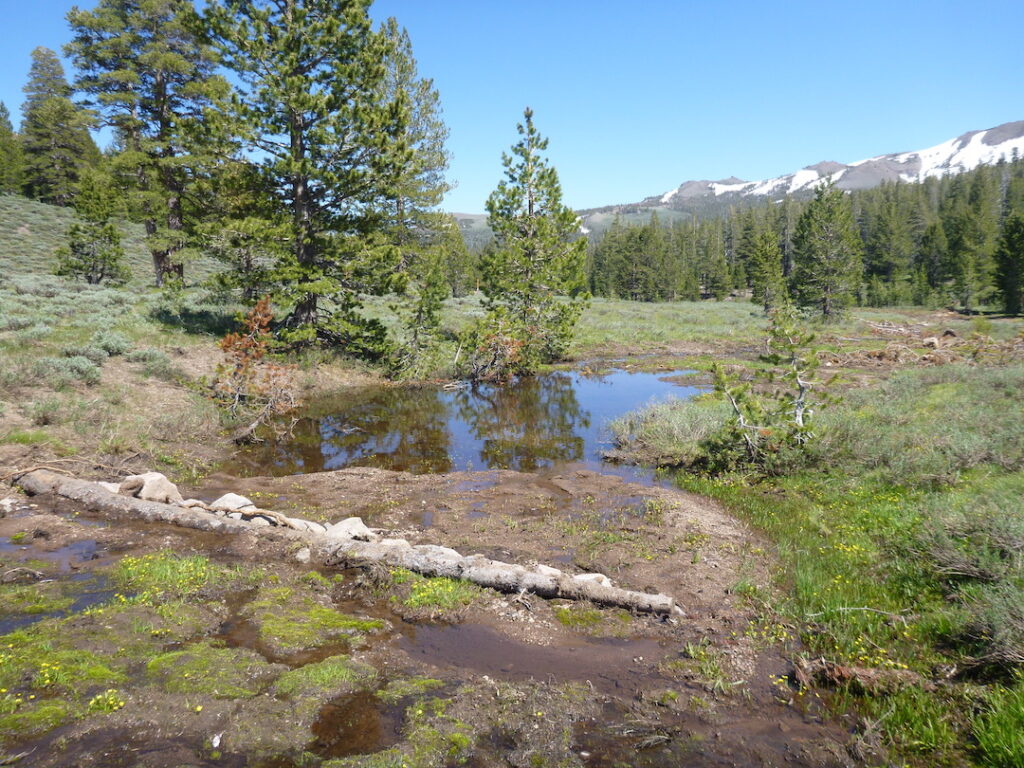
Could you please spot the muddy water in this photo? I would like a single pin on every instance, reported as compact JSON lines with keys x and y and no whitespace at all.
{"x":554,"y":421}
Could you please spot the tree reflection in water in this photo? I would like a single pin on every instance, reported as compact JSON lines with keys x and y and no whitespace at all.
{"x":527,"y":425}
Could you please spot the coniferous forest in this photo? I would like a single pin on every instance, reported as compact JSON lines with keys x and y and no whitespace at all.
{"x":952,"y":241}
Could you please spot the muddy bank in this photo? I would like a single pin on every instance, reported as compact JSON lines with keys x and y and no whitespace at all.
{"x":266,"y":663}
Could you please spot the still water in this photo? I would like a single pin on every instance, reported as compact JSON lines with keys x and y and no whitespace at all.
{"x":559,"y":420}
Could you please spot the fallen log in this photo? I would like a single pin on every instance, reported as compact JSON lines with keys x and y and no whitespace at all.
{"x":541,"y":580}
{"x":96,"y":498}
{"x":335,"y":552}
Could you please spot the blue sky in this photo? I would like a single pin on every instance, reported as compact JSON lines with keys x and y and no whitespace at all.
{"x":638,"y":97}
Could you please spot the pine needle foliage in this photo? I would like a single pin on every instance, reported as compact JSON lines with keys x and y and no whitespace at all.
{"x":534,"y":279}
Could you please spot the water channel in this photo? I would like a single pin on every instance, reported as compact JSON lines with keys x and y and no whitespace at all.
{"x":558,"y":420}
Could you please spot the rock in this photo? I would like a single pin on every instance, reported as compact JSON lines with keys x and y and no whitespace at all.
{"x":232,"y":502}
{"x":260,"y":521}
{"x":303,"y":555}
{"x":596,"y":578}
{"x":193,"y":504}
{"x":306,"y":525}
{"x":112,"y":487}
{"x":351,"y":528}
{"x":547,"y":570}
{"x":931,"y":342}
{"x":7,"y":506}
{"x":235,"y":515}
{"x":150,"y":486}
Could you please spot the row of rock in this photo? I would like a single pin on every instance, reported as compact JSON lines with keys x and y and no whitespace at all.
{"x":153,"y":486}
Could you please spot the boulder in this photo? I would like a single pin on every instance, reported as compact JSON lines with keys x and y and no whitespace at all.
{"x":232,"y":502}
{"x":594,"y":578}
{"x":150,"y":486}
{"x":351,"y":528}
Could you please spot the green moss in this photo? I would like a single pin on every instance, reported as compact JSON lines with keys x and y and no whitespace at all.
{"x":228,"y":673}
{"x":332,"y":675}
{"x":19,"y":537}
{"x":28,"y":655}
{"x":290,"y":621}
{"x":20,"y":719}
{"x":578,"y":616}
{"x":316,"y":579}
{"x":406,"y":687}
{"x":46,"y":597}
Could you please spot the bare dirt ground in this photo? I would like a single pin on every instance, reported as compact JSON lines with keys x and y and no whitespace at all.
{"x":516,"y":680}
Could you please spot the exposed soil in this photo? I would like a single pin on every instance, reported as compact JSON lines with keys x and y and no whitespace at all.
{"x":512,"y":680}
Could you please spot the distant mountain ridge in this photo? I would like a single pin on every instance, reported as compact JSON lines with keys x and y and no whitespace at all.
{"x":963,"y":153}
{"x":711,"y":198}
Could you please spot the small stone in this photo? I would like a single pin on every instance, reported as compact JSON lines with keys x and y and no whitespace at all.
{"x":594,"y":578}
{"x":547,"y":570}
{"x":303,"y":555}
{"x":150,"y":486}
{"x":232,"y":502}
{"x":351,"y":528}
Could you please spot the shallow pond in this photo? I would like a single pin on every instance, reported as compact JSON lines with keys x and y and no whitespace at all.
{"x":556,"y":420}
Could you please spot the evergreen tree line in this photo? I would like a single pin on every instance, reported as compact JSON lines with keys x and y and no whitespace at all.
{"x":294,"y":140}
{"x":952,"y":241}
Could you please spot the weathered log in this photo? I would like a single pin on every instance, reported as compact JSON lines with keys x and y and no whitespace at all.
{"x":547,"y":582}
{"x":98,"y":499}
{"x":425,"y":559}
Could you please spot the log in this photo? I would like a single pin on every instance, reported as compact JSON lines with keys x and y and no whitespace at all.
{"x":546,"y":582}
{"x":425,"y":559}
{"x":95,"y":498}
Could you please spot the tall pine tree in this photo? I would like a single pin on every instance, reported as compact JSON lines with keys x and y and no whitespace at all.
{"x":827,"y":252}
{"x":55,"y":142}
{"x":11,"y":162}
{"x":1010,"y":261}
{"x":312,"y":111}
{"x":534,"y":280}
{"x":146,"y":70}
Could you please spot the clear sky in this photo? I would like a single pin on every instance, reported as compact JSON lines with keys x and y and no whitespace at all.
{"x":639,"y":97}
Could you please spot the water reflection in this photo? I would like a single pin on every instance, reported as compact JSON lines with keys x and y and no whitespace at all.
{"x":538,"y":422}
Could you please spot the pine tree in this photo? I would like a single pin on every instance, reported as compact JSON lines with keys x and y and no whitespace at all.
{"x":94,"y":251}
{"x":420,"y":183}
{"x":828,"y":253}
{"x":55,"y":142}
{"x":539,"y":257}
{"x":1010,"y":260}
{"x":310,"y":106}
{"x":458,"y":263}
{"x":766,"y":272}
{"x":146,"y":70}
{"x":11,"y":161}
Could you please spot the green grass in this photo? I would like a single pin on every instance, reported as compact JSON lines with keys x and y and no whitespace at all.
{"x":435,"y":593}
{"x":166,"y":575}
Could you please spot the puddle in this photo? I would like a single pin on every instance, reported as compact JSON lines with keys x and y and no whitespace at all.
{"x":356,"y":724}
{"x":66,"y":558}
{"x":558,"y":420}
{"x":88,"y":589}
{"x":608,"y":664}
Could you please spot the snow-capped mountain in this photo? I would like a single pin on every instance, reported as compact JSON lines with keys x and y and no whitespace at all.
{"x":954,"y":156}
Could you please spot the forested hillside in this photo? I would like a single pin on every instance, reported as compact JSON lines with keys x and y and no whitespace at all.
{"x":954,"y":241}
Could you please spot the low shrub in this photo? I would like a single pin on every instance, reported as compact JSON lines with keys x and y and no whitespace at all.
{"x":93,"y":353}
{"x":111,"y":342}
{"x":59,"y":372}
